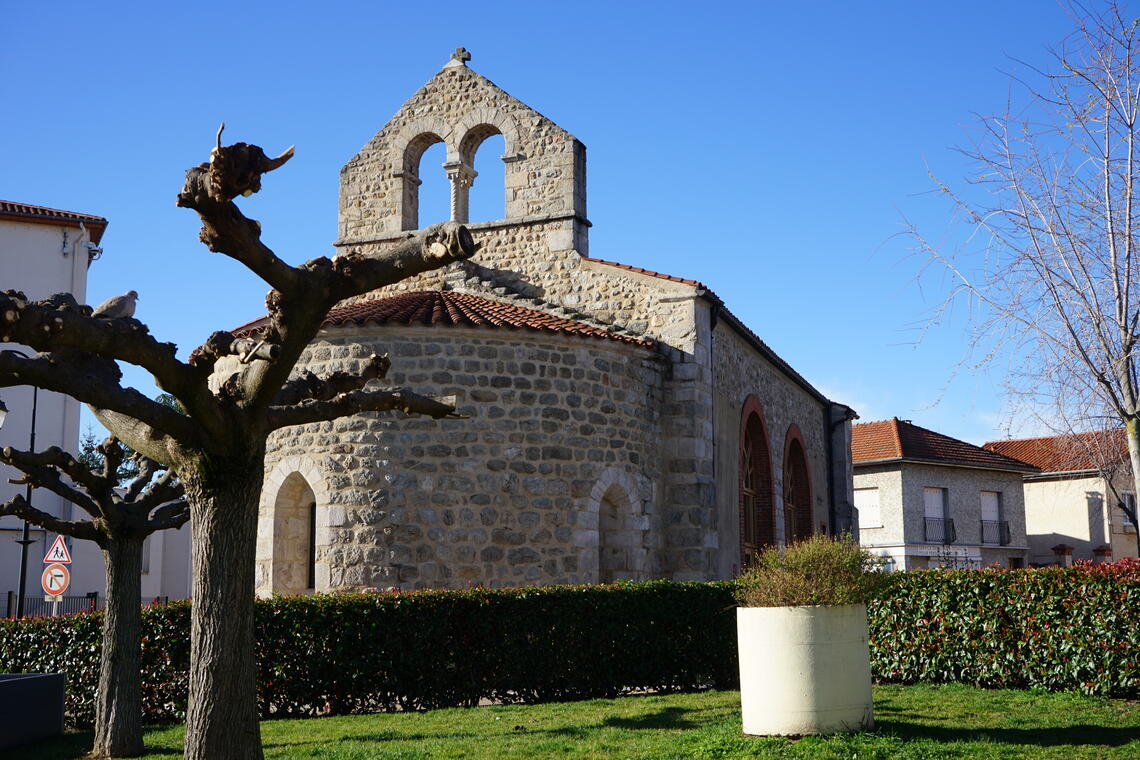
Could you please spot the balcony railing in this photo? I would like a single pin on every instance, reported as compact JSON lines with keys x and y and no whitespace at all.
{"x":940,"y":531}
{"x":995,"y":532}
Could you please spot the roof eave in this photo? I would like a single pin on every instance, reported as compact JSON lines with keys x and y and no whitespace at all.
{"x":1028,"y":469}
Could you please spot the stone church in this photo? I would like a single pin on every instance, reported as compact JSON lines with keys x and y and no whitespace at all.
{"x":621,"y":423}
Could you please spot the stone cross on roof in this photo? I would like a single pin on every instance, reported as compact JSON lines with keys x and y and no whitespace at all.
{"x":460,"y":57}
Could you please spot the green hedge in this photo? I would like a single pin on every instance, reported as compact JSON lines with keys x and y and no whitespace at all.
{"x":338,"y":653}
{"x":341,"y":653}
{"x":1052,"y":628}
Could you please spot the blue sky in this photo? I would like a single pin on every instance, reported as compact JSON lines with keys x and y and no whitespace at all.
{"x":769,"y":150}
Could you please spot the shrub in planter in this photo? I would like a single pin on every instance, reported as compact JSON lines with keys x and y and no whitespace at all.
{"x":802,"y":638}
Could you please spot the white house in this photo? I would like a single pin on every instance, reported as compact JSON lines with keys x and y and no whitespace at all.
{"x":45,"y":251}
{"x":928,"y":500}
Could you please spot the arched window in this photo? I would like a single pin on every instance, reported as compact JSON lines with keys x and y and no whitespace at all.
{"x":294,"y":537}
{"x":757,"y":516}
{"x":797,"y":490}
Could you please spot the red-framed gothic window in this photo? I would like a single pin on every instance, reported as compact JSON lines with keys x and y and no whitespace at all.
{"x":757,"y":513}
{"x":797,"y":489}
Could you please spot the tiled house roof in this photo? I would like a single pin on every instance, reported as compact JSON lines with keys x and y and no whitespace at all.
{"x":1068,"y":453}
{"x":23,"y":212}
{"x":896,"y":439}
{"x":448,"y":308}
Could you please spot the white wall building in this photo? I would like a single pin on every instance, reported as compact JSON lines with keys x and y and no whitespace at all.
{"x":927,"y":500}
{"x":44,"y":251}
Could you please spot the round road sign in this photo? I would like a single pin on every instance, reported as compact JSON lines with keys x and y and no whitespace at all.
{"x":55,"y":579}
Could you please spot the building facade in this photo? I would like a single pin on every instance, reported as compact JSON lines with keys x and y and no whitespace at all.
{"x":1073,"y":505}
{"x":927,"y":500}
{"x":620,"y":423}
{"x":43,"y":251}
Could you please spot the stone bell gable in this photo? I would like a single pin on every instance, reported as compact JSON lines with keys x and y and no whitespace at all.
{"x":544,"y":165}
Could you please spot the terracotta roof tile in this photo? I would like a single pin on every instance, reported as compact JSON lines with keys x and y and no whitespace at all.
{"x":900,"y":439}
{"x":1068,"y":453}
{"x":445,"y":307}
{"x":25,"y":212}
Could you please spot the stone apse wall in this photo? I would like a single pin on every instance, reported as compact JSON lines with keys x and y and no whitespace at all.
{"x":551,"y":480}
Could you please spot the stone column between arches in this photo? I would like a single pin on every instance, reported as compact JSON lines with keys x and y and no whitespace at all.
{"x":283,"y":528}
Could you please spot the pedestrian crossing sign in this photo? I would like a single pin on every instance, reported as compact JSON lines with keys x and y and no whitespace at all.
{"x":58,"y":553}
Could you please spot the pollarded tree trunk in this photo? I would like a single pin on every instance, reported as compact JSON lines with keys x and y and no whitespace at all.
{"x":118,"y":703}
{"x":222,"y":718}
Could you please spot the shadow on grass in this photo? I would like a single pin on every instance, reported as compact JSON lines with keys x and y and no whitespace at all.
{"x":669,"y":718}
{"x":1052,"y":736}
{"x":71,"y":746}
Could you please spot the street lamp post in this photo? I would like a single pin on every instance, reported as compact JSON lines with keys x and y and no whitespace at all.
{"x":25,"y":540}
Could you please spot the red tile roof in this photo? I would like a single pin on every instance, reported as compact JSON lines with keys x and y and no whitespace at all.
{"x":896,"y":439}
{"x":1102,"y":449}
{"x":445,"y":307}
{"x":23,"y":212}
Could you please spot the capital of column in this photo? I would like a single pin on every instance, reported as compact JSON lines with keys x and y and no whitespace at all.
{"x":460,"y":173}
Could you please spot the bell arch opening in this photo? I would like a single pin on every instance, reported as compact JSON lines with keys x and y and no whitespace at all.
{"x":488,"y":196}
{"x":417,"y":192}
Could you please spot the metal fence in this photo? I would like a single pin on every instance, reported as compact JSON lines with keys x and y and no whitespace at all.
{"x":35,"y":606}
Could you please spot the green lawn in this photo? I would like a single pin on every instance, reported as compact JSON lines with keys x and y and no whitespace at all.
{"x":913,"y":722}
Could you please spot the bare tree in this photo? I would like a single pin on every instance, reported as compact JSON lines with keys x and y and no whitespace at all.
{"x":121,"y":519}
{"x":233,"y":393}
{"x":1051,"y":269}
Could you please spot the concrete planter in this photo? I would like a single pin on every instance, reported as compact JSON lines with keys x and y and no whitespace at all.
{"x":31,"y":707}
{"x":804,"y":670}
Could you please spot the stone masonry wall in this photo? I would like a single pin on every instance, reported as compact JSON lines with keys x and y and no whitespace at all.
{"x":740,"y":371}
{"x":510,"y":496}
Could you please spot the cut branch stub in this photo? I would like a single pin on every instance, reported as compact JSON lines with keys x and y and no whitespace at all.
{"x":232,"y":170}
{"x":309,"y":386}
{"x":222,"y":343}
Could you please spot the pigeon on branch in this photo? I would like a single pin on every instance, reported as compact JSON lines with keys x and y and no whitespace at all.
{"x":119,"y":307}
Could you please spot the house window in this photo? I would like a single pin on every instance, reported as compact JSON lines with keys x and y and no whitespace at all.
{"x":867,"y":502}
{"x":939,"y":526}
{"x":1128,"y":504}
{"x":995,"y":530}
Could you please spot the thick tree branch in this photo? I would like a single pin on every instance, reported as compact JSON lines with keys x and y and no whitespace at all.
{"x":173,"y":515}
{"x":296,"y":316}
{"x":309,"y":386}
{"x":210,"y":188}
{"x":42,"y":470}
{"x":59,"y":324}
{"x":148,"y":468}
{"x":20,"y":508}
{"x":361,"y":401}
{"x":93,"y":380}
